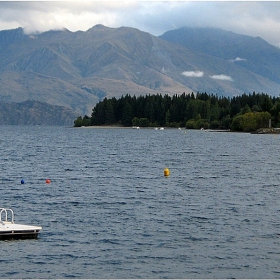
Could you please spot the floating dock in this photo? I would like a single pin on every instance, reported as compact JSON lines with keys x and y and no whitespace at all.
{"x":10,"y":230}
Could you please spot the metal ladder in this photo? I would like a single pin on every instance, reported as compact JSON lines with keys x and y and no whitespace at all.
{"x":7,"y":213}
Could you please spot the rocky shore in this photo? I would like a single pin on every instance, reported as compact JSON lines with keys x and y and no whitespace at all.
{"x":267,"y":131}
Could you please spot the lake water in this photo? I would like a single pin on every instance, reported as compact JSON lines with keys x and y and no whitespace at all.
{"x":109,"y":212}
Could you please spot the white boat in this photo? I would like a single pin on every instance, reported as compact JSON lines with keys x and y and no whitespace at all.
{"x":9,"y":229}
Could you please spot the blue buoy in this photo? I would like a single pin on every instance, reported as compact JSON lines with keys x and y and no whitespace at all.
{"x":22,"y":181}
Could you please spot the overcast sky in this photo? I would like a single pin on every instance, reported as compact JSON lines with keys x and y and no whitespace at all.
{"x":260,"y":18}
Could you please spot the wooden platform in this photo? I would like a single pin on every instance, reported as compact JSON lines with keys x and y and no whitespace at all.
{"x":9,"y":229}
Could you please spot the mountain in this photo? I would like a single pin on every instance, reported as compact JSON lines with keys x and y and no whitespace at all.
{"x":33,"y":112}
{"x":251,"y":53}
{"x":77,"y":69}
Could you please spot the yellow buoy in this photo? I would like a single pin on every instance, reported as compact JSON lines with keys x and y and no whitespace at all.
{"x":166,"y":172}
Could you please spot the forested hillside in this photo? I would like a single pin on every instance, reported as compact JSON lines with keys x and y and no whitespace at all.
{"x":240,"y":113}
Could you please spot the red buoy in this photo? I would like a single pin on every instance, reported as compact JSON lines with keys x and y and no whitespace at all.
{"x":48,"y":181}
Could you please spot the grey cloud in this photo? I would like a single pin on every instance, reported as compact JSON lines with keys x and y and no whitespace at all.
{"x":156,"y":17}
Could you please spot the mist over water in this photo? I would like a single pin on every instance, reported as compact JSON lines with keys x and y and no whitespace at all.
{"x":110,"y":213}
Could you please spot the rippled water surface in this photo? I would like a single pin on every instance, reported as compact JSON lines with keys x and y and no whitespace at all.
{"x":110,"y":213}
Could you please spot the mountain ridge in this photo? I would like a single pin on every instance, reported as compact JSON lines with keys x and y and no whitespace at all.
{"x":230,"y":46}
{"x":77,"y":69}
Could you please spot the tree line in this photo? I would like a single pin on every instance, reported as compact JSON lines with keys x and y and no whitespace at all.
{"x":247,"y":112}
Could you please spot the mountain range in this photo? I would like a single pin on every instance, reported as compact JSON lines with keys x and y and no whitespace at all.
{"x":77,"y":69}
{"x":31,"y":112}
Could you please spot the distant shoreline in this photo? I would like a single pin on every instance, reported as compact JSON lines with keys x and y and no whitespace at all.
{"x":260,"y":131}
{"x":126,"y":127}
{"x":103,"y":126}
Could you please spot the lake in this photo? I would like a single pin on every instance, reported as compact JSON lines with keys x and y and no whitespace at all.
{"x":109,"y":211}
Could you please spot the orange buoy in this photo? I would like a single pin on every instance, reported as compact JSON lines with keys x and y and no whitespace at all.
{"x":166,"y":172}
{"x":48,"y":181}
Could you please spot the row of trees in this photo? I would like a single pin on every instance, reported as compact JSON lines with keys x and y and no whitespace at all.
{"x":247,"y":112}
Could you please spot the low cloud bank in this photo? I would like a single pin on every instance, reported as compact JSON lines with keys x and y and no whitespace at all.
{"x":199,"y":74}
{"x":196,"y":74}
{"x":221,"y":77}
{"x":238,"y":59}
